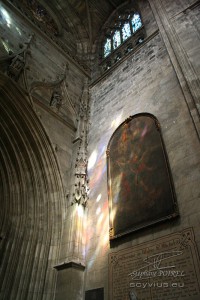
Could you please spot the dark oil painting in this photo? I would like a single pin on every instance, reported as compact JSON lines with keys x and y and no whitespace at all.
{"x":140,"y":186}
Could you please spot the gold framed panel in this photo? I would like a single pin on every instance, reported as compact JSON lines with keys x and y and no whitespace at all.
{"x":140,"y":186}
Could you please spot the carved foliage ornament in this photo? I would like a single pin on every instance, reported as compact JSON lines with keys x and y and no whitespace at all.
{"x":81,"y":189}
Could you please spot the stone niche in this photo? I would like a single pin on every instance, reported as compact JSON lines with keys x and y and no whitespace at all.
{"x":166,"y":268}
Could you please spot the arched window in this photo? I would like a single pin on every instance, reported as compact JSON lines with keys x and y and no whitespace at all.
{"x":136,"y":22}
{"x":140,"y":187}
{"x":124,"y":28}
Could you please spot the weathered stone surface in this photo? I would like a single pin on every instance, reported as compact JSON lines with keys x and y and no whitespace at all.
{"x":165,"y":268}
{"x":38,"y":156}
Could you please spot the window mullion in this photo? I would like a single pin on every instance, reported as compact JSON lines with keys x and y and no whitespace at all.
{"x":131,"y":26}
{"x":122,"y":30}
{"x":121,"y":37}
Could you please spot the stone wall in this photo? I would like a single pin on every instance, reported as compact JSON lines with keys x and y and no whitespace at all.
{"x":37,"y":152}
{"x":45,"y":67}
{"x":146,"y":82}
{"x":160,"y":77}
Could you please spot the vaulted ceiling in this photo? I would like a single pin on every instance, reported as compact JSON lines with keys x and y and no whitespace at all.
{"x":87,"y":16}
{"x":79,"y":22}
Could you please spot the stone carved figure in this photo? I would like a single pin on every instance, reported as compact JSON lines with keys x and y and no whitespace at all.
{"x":16,"y":67}
{"x":56,"y":99}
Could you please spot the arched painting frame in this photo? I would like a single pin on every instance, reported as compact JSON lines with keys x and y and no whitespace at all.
{"x":140,"y":186}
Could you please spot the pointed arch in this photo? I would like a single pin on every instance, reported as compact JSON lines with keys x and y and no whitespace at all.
{"x":32,"y":200}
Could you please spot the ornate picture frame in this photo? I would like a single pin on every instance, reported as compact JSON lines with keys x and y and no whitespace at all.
{"x":140,"y":186}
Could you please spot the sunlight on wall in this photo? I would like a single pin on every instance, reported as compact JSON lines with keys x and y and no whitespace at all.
{"x":92,"y":160}
{"x":96,"y":167}
{"x":98,"y":198}
{"x":116,"y":122}
{"x":4,"y":16}
{"x":6,"y":46}
{"x":80,"y":211}
{"x":18,"y":30}
{"x":97,"y":237}
{"x":6,"y":20}
{"x":101,"y":231}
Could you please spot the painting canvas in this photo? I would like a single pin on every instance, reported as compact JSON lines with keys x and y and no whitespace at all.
{"x":140,"y":187}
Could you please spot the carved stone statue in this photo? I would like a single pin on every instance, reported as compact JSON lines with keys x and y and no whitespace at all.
{"x":16,"y":67}
{"x":56,"y":99}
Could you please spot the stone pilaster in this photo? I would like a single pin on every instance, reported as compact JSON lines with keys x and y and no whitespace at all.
{"x":72,"y":257}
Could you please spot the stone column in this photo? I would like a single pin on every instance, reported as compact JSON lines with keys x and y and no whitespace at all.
{"x":184,"y":69}
{"x":70,"y":283}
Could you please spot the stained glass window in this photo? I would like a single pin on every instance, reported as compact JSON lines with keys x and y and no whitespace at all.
{"x":116,"y":39}
{"x":122,"y":28}
{"x":107,"y":47}
{"x":136,"y":22}
{"x":126,"y":31}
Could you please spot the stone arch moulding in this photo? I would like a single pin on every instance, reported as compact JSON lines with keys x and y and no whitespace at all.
{"x":140,"y":186}
{"x":31,"y":200}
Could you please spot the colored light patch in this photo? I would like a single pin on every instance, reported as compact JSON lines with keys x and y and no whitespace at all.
{"x":102,"y":230}
{"x":5,"y":16}
{"x":144,"y":131}
{"x":98,"y":211}
{"x":80,"y":211}
{"x":98,"y":198}
{"x":92,"y":160}
{"x":18,"y":30}
{"x":100,"y":219}
{"x":6,"y":47}
{"x":96,"y":176}
{"x":105,"y":239}
{"x":115,"y":123}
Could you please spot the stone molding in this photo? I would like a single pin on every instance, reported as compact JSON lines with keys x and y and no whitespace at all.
{"x":70,"y":264}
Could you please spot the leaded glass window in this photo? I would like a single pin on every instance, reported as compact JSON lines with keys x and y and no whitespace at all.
{"x":126,"y":31}
{"x":116,"y":39}
{"x":107,"y":47}
{"x":123,"y":28}
{"x":136,"y":22}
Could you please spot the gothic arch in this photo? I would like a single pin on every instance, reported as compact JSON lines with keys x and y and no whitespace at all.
{"x":32,"y":198}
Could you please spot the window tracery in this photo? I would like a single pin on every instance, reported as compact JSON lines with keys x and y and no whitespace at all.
{"x":124,"y":28}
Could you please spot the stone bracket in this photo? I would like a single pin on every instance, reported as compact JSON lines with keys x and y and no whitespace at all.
{"x":70,"y":264}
